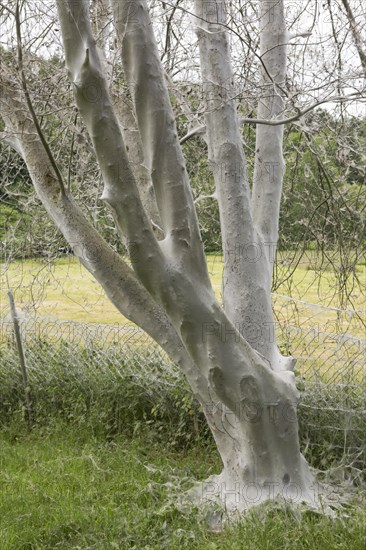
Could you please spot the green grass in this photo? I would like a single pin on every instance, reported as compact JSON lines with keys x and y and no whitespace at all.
{"x":65,"y":290}
{"x":64,"y":488}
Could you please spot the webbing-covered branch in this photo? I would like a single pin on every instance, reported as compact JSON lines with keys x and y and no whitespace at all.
{"x":117,"y":279}
{"x":95,"y":105}
{"x":156,"y":121}
{"x":269,"y":162}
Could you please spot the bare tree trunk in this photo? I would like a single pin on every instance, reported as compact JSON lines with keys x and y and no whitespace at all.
{"x":248,"y":397}
{"x":249,"y":247}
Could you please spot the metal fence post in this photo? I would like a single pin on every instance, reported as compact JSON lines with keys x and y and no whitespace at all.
{"x":23,"y":367}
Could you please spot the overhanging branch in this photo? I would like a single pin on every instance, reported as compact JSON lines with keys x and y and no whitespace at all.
{"x":200,"y":130}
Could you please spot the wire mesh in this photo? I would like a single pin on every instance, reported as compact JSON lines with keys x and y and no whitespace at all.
{"x":330,"y":368}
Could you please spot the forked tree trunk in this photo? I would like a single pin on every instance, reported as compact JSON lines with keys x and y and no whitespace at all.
{"x":255,"y":425}
{"x":247,"y":393}
{"x":249,"y":219}
{"x":257,"y":434}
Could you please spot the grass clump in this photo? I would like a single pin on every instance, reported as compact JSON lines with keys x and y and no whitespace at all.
{"x":65,"y":487}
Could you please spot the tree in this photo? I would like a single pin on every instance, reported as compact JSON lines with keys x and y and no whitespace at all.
{"x":228,"y":352}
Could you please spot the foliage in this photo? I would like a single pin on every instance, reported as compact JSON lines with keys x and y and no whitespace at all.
{"x":203,"y":187}
{"x":113,"y":399}
{"x":321,"y":203}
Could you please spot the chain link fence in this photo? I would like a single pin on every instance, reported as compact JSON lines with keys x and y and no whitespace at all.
{"x":330,"y":368}
{"x":329,"y":345}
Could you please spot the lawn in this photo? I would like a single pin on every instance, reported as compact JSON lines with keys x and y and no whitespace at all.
{"x":65,"y":290}
{"x":64,"y":488}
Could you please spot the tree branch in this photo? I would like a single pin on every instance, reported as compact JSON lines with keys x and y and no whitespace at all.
{"x":29,"y":102}
{"x":269,"y":162}
{"x":94,"y":103}
{"x":156,"y":122}
{"x":126,"y":117}
{"x":11,"y":140}
{"x":357,"y":39}
{"x":226,"y":153}
{"x":199,"y":130}
{"x":117,"y":279}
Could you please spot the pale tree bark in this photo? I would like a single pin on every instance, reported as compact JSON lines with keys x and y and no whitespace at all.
{"x":162,"y":152}
{"x":248,"y":246}
{"x":125,"y":115}
{"x":269,"y":162}
{"x":115,"y":276}
{"x":249,"y":401}
{"x":247,"y":280}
